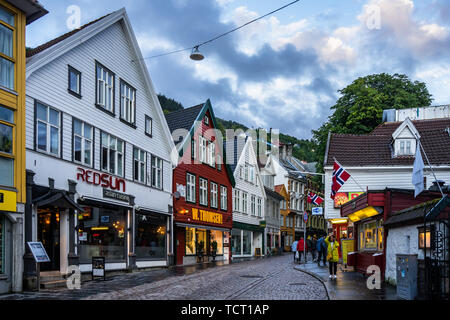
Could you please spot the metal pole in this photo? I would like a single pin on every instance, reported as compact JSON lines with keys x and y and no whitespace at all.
{"x":304,"y":239}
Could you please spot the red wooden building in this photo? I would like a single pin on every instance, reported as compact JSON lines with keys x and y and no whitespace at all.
{"x":368,"y":212}
{"x":202,"y":186}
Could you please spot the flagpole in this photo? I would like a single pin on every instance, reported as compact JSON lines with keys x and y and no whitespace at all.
{"x":351,"y":176}
{"x":429,"y":164}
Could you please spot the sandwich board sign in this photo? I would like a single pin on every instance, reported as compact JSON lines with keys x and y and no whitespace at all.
{"x":38,"y":251}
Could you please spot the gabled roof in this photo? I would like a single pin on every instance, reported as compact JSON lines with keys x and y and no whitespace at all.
{"x":48,"y":52}
{"x":273,"y":194}
{"x":32,"y":8}
{"x":190,"y":119}
{"x":375,"y":149}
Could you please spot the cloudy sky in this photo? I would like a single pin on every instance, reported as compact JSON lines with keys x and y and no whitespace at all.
{"x":283,"y":71}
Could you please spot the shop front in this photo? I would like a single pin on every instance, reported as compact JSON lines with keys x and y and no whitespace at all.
{"x":246,"y":240}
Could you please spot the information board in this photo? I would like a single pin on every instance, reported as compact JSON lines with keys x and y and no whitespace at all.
{"x":38,"y":251}
{"x":98,"y":267}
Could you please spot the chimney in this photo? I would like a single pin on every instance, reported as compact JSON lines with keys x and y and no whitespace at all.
{"x":283,"y":148}
{"x":289,"y":148}
{"x":435,"y":186}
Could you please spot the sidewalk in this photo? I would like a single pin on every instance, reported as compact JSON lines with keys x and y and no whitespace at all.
{"x":349,"y":285}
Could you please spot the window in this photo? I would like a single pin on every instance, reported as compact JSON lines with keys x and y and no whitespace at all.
{"x":246,"y":172}
{"x":190,"y":241}
{"x":48,"y":122}
{"x":218,"y":237}
{"x":246,"y":242}
{"x":7,"y":60}
{"x":156,"y":172}
{"x":206,"y":120}
{"x":253,"y":205}
{"x":127,"y":102}
{"x":259,"y":207}
{"x":219,"y":162}
{"x":371,"y":235}
{"x":148,"y":126}
{"x":139,"y":165}
{"x":211,"y":154}
{"x":236,"y":238}
{"x":105,"y":88}
{"x":112,"y":154}
{"x":82,"y":142}
{"x":237,"y":200}
{"x":214,"y":195}
{"x":252,"y":174}
{"x":190,"y":187}
{"x":405,"y":147}
{"x":74,"y":82}
{"x":150,"y":239}
{"x":6,"y":147}
{"x":2,"y":249}
{"x":202,"y":149}
{"x":203,"y":192}
{"x":193,"y":149}
{"x":244,"y":202}
{"x":223,"y":198}
{"x":424,"y":238}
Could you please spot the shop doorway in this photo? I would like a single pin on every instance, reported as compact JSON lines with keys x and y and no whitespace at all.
{"x":48,"y":234}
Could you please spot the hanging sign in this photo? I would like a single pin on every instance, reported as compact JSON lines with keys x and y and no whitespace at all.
{"x":38,"y":251}
{"x":316,"y":211}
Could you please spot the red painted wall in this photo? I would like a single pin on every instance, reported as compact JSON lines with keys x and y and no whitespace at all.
{"x":204,"y":171}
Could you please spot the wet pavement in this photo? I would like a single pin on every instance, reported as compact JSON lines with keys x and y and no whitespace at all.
{"x":349,"y":285}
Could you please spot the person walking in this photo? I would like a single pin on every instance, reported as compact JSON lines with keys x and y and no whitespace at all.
{"x":294,"y":249}
{"x":321,"y":251}
{"x":308,"y":245}
{"x":332,"y":254}
{"x":313,"y":247}
{"x":301,"y":248}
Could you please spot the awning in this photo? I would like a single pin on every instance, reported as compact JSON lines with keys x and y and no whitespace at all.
{"x":84,"y":200}
{"x":179,"y":224}
{"x":56,"y":199}
{"x":144,"y":210}
{"x":365,"y":213}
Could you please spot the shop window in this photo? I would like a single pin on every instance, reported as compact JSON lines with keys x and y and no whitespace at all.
{"x":246,"y":242}
{"x":150,"y":237}
{"x":424,"y":238}
{"x":6,"y":147}
{"x":203,"y":192}
{"x":190,"y":241}
{"x":139,"y":164}
{"x":74,"y":82}
{"x":223,"y":198}
{"x":190,"y":187}
{"x":217,"y":236}
{"x":236,"y":242}
{"x":102,"y":234}
{"x":82,"y":142}
{"x":127,"y":102}
{"x":201,"y":241}
{"x":7,"y":36}
{"x":112,"y":154}
{"x":48,"y":122}
{"x":371,"y":236}
{"x":2,"y":242}
{"x":104,"y":88}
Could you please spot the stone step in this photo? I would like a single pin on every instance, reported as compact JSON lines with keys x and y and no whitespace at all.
{"x":53,"y":284}
{"x":49,"y":278}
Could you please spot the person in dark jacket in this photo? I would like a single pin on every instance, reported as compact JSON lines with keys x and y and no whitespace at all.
{"x":321,"y":251}
{"x":301,"y":248}
{"x":313,"y":247}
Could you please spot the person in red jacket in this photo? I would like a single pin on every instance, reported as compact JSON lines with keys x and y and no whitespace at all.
{"x":301,"y":247}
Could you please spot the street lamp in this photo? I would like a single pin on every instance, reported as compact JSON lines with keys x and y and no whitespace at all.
{"x":196,"y":54}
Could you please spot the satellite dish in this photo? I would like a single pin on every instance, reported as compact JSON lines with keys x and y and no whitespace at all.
{"x":196,"y":54}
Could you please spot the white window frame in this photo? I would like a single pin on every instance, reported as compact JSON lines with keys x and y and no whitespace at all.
{"x":127,"y":102}
{"x":105,"y":84}
{"x":202,"y":149}
{"x":244,"y":202}
{"x":84,"y":141}
{"x":237,"y":200}
{"x":190,"y":187}
{"x":203,"y":187}
{"x":117,"y":153}
{"x":214,"y":195}
{"x":157,"y":171}
{"x":253,"y":205}
{"x":259,"y":207}
{"x":141,"y":162}
{"x":48,"y":132}
{"x":223,"y":198}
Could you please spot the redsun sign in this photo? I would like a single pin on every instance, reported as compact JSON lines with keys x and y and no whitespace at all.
{"x":103,"y":179}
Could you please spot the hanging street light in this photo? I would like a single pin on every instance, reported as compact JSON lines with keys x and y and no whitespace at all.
{"x":196,"y":54}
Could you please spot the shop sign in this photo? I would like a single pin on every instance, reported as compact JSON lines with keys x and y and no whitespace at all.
{"x":38,"y":251}
{"x":8,"y":201}
{"x":316,"y":211}
{"x":262,"y":223}
{"x":344,"y":197}
{"x":103,"y":179}
{"x":207,"y":216}
{"x":116,"y":195}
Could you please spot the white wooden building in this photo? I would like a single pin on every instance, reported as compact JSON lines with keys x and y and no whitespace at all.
{"x":98,"y":151}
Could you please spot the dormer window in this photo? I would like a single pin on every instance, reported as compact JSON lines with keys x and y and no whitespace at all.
{"x":206,"y":120}
{"x":404,"y":147}
{"x":405,"y":139}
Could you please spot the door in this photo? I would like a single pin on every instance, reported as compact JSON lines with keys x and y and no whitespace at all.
{"x":48,"y":234}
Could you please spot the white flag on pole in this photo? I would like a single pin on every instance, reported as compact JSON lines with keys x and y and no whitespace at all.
{"x":417,"y":175}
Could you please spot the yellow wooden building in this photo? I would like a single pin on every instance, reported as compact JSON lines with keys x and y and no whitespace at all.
{"x":14,"y":16}
{"x":287,"y":223}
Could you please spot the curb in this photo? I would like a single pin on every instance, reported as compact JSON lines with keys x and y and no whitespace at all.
{"x":324,"y":283}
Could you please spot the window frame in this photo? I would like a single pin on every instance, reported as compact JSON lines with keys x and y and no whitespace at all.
{"x":205,"y":204}
{"x":147,"y":117}
{"x":48,"y":130}
{"x":83,"y":139}
{"x":140,"y":163}
{"x":222,"y":198}
{"x":214,"y":194}
{"x":113,"y":100}
{"x":253,"y":205}
{"x":188,"y":184}
{"x":245,"y":202}
{"x":108,"y":170}
{"x":154,"y":169}
{"x":4,"y":56}
{"x":133,"y":107}
{"x":78,"y":73}
{"x":237,"y":200}
{"x":10,"y":156}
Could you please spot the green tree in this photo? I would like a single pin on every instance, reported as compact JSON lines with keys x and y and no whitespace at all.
{"x":360,"y":108}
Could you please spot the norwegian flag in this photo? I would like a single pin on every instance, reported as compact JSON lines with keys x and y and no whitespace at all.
{"x":340,"y":176}
{"x":314,"y":199}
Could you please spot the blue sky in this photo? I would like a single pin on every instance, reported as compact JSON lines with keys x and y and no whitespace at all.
{"x":283,"y":71}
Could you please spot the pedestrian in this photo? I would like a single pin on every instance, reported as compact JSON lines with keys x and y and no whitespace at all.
{"x":321,"y":251}
{"x":294,"y":250}
{"x":332,"y":254}
{"x":314,"y":247}
{"x":301,"y":248}
{"x":308,"y":244}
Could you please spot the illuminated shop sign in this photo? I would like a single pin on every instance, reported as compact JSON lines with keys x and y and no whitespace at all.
{"x":207,"y":216}
{"x":344,"y":197}
{"x":103,"y":179}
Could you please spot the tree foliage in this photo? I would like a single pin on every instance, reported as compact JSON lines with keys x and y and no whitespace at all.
{"x":360,"y":108}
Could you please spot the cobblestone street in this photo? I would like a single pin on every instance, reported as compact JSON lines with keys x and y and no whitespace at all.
{"x":273,"y":278}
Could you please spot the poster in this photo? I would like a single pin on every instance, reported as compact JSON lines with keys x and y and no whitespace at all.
{"x":347,"y":246}
{"x":38,"y":251}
